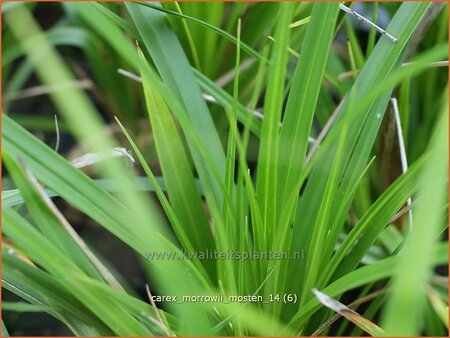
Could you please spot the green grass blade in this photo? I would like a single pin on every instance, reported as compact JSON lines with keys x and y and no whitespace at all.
{"x":403,"y":310}
{"x":262,"y":18}
{"x":47,"y":255}
{"x":439,"y":305}
{"x":297,"y":120}
{"x":226,"y":100}
{"x":35,"y":245}
{"x":70,"y":183}
{"x":174,"y":220}
{"x":372,"y":222}
{"x":106,"y":27}
{"x":227,"y":237}
{"x":225,"y":34}
{"x":372,"y":32}
{"x":182,"y":29}
{"x":120,"y":321}
{"x":13,"y":197}
{"x":206,"y":40}
{"x":39,"y":288}
{"x":172,"y":64}
{"x":183,"y":194}
{"x":302,"y":99}
{"x":354,"y":44}
{"x":320,"y":229}
{"x":48,"y":224}
{"x":385,"y":58}
{"x":4,"y":330}
{"x":382,"y":269}
{"x":267,"y":159}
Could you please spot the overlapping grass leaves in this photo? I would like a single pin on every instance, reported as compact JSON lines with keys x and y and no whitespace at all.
{"x":297,"y":204}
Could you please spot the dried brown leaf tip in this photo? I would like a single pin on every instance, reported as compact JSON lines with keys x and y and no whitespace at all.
{"x":363,"y":323}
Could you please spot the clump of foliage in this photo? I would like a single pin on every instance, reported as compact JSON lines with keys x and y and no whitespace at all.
{"x":273,"y":127}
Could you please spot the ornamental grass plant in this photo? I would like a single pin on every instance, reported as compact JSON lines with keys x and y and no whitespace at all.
{"x":303,"y":150}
